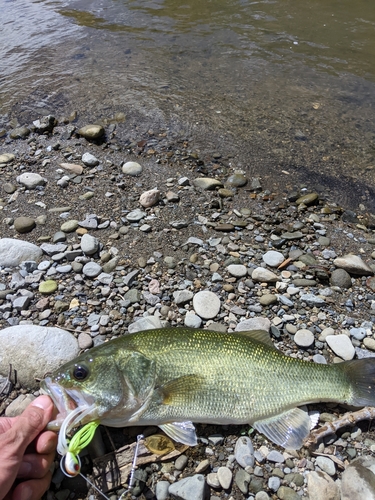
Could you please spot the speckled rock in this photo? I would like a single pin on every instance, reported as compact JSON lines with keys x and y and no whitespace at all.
{"x":31,"y":180}
{"x":244,"y":452}
{"x":149,"y":198}
{"x":35,"y":350}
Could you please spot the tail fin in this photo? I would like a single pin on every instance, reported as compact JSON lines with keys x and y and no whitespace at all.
{"x":361,"y":374}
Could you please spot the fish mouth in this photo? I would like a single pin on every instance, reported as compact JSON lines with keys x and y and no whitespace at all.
{"x":69,"y":402}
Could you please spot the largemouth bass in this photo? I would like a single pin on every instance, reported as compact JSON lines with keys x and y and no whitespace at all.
{"x":173,"y":377}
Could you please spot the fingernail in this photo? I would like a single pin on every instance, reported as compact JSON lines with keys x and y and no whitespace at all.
{"x":26,"y":493}
{"x":42,"y":402}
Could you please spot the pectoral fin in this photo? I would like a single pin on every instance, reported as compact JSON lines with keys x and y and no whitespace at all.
{"x":180,"y":390}
{"x":288,"y":429}
{"x":182,"y":432}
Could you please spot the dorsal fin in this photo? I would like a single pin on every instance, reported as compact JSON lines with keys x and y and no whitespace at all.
{"x":258,"y":335}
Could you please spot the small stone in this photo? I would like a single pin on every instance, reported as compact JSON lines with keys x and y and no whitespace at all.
{"x":31,"y":180}
{"x":238,"y":179}
{"x":161,"y":490}
{"x":149,"y":198}
{"x":341,"y":278}
{"x":9,"y":188}
{"x":90,"y":160}
{"x":312,"y":300}
{"x":268,"y":299}
{"x":257,"y":323}
{"x":7,"y":157}
{"x":72,"y":168}
{"x":132,"y":168}
{"x":84,"y":341}
{"x":304,"y":338}
{"x":206,"y":304}
{"x":191,"y":320}
{"x":244,"y":452}
{"x":212,"y":480}
{"x":47,"y":287}
{"x":326,"y":465}
{"x":308,"y":199}
{"x":353,"y":265}
{"x":273,"y":258}
{"x":275,"y":456}
{"x":181,"y":462}
{"x":189,"y":488}
{"x":322,"y":487}
{"x":286,"y":493}
{"x":19,"y":133}
{"x":182,"y":297}
{"x":207,"y":183}
{"x":237,"y":270}
{"x":274,"y":483}
{"x":91,"y":270}
{"x":341,"y":345}
{"x":242,"y":480}
{"x":89,"y":244}
{"x":91,"y":132}
{"x":225,"y":193}
{"x":225,"y":477}
{"x":135,"y":215}
{"x":24,"y":224}
{"x":69,"y":226}
{"x":263,"y":275}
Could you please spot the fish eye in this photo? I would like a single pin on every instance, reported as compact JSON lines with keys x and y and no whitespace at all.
{"x":80,"y":372}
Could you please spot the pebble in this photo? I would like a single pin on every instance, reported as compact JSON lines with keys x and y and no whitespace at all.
{"x":341,"y":278}
{"x":149,"y":198}
{"x":191,"y":320}
{"x":341,"y":346}
{"x":181,"y":462}
{"x":24,"y":224}
{"x":326,"y":465}
{"x":286,"y":493}
{"x":207,"y":183}
{"x":132,"y":168}
{"x":69,"y":226}
{"x":206,"y":304}
{"x":135,"y":215}
{"x":225,"y":477}
{"x":273,"y":258}
{"x":72,"y":168}
{"x":161,"y":490}
{"x":264,"y":275}
{"x":238,"y":179}
{"x":189,"y":488}
{"x":91,"y":132}
{"x":89,"y":244}
{"x":35,"y":350}
{"x":358,"y":479}
{"x":244,"y":452}
{"x":312,"y":300}
{"x":304,"y":338}
{"x":31,"y":180}
{"x":237,"y":270}
{"x":92,"y":270}
{"x":19,"y":133}
{"x":47,"y":287}
{"x":275,"y":456}
{"x":242,"y":480}
{"x":17,"y":406}
{"x":7,"y":157}
{"x":320,"y":486}
{"x":90,"y":160}
{"x":353,"y":265}
{"x":258,"y":323}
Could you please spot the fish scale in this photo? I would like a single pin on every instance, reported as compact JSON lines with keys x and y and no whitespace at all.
{"x":174,"y":376}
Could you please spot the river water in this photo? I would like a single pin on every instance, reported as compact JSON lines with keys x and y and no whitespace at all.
{"x":284,"y":89}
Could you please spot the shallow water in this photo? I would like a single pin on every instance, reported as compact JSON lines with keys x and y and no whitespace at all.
{"x":274,"y":86}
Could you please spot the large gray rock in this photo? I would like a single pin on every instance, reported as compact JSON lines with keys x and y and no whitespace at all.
{"x":190,"y":488}
{"x":358,"y":480}
{"x":259,"y":323}
{"x":322,"y":487}
{"x":353,"y":265}
{"x":35,"y":350}
{"x":13,"y":252}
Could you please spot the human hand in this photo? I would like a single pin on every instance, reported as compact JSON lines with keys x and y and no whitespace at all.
{"x":26,"y":452}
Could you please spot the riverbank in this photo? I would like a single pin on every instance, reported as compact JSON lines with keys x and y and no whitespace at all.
{"x":133,"y":228}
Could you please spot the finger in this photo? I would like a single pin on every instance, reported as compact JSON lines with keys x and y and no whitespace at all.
{"x":35,"y":466}
{"x":30,"y":423}
{"x":33,"y":489}
{"x":46,"y":442}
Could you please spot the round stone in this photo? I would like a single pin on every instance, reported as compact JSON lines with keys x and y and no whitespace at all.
{"x":91,"y":270}
{"x":84,"y":340}
{"x":238,"y":179}
{"x":206,"y":304}
{"x":267,"y":299}
{"x":304,"y":338}
{"x":149,"y":198}
{"x":237,"y":270}
{"x":91,"y":132}
{"x":244,"y":452}
{"x":273,"y":258}
{"x":69,"y":226}
{"x":72,"y":168}
{"x":24,"y":224}
{"x":225,"y":476}
{"x":19,"y":133}
{"x":191,"y":320}
{"x":132,"y":168}
{"x":135,"y":215}
{"x":47,"y":287}
{"x":264,"y":275}
{"x":341,"y":278}
{"x":89,"y":244}
{"x":326,"y":465}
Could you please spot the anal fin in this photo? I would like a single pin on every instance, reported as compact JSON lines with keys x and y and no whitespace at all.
{"x":182,"y":432}
{"x":288,"y":429}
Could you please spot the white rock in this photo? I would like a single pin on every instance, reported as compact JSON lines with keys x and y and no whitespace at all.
{"x":264,"y":275}
{"x":13,"y":252}
{"x":191,"y":320}
{"x":132,"y":168}
{"x":31,"y":180}
{"x":259,"y":323}
{"x":149,"y":198}
{"x":237,"y":270}
{"x":90,"y":160}
{"x":146,"y":323}
{"x":244,"y":452}
{"x":353,"y":265}
{"x":89,"y":244}
{"x":35,"y":350}
{"x":326,"y":464}
{"x":341,"y":346}
{"x":304,"y":338}
{"x":206,"y":304}
{"x":322,"y":487}
{"x":273,"y":258}
{"x":225,"y":476}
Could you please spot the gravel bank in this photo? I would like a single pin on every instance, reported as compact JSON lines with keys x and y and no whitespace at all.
{"x":100,"y":238}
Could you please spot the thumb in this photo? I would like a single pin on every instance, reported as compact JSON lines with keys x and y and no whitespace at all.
{"x":31,"y":422}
